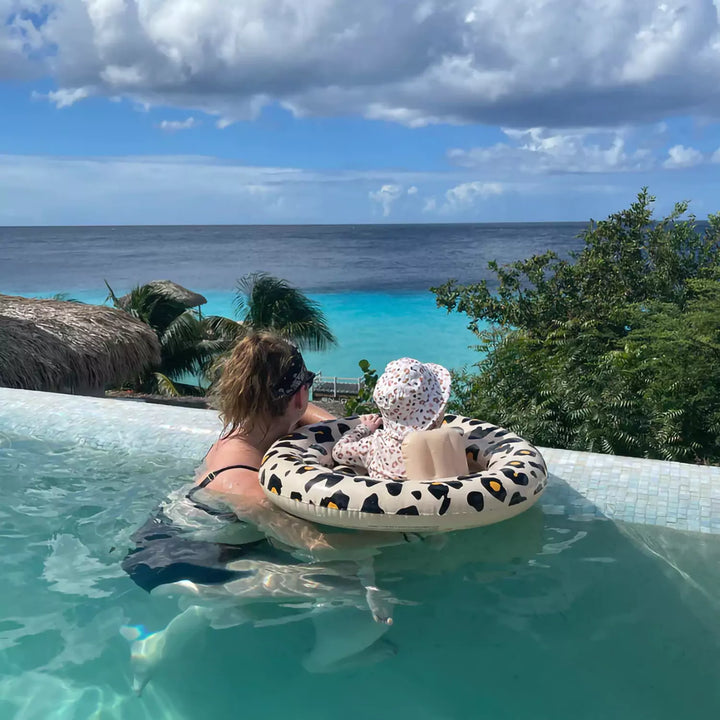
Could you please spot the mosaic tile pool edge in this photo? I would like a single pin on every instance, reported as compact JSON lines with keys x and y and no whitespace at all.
{"x":648,"y":492}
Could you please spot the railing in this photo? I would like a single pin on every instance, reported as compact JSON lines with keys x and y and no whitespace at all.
{"x":334,"y":387}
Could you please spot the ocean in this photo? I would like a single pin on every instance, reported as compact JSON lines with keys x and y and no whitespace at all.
{"x":372,"y":281}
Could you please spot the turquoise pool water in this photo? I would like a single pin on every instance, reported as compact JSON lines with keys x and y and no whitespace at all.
{"x":543,"y":616}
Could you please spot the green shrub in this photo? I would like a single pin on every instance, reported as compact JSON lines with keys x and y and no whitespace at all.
{"x":363,"y":403}
{"x":616,"y":350}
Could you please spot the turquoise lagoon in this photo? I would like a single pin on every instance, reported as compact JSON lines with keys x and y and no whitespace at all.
{"x":378,"y":326}
{"x":553,"y":614}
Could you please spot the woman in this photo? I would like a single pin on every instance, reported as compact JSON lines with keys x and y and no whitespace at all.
{"x":262,"y":395}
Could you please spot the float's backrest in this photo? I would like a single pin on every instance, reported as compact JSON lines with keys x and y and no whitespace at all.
{"x":434,"y":454}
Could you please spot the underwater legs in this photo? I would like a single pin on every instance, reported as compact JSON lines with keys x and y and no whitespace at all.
{"x":148,"y":652}
{"x":346,"y":638}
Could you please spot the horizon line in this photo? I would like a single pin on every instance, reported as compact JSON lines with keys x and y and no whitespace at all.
{"x":304,"y":224}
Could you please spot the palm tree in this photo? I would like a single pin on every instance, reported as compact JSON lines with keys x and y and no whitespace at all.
{"x":189,"y":341}
{"x":264,"y":302}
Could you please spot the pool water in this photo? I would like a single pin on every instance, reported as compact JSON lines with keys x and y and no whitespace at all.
{"x":542,"y":616}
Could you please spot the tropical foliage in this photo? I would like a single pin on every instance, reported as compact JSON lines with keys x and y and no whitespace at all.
{"x":264,"y":302}
{"x":65,"y":297}
{"x":196,"y":346}
{"x":363,"y":401}
{"x":190,"y":343}
{"x":615,"y":350}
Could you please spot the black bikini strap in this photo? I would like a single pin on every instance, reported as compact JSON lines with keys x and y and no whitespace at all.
{"x":212,"y":475}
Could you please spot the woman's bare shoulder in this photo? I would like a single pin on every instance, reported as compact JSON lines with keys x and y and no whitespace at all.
{"x":227,"y":453}
{"x":231,"y":451}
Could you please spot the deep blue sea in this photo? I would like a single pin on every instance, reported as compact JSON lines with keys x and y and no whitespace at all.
{"x":372,"y":281}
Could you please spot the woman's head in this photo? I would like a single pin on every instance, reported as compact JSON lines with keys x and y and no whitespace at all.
{"x":262,"y":381}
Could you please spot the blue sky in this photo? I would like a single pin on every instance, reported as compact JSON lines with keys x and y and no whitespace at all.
{"x":329,"y":111}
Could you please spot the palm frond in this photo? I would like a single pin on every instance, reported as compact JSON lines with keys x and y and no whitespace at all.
{"x":165,"y":386}
{"x":191,"y":343}
{"x":111,"y":295}
{"x":264,"y":302}
{"x":157,"y":303}
{"x":65,"y":297}
{"x":181,"y":345}
{"x":223,"y":328}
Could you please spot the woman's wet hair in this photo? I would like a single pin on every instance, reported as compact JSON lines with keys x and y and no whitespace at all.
{"x":247,"y":393}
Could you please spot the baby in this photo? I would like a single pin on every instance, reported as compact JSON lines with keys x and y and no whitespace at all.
{"x":411,"y":396}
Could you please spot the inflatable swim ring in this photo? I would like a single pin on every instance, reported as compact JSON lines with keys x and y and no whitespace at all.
{"x":507,"y":475}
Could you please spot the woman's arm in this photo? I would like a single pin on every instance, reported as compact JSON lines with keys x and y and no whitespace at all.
{"x":314,"y":414}
{"x":305,"y":536}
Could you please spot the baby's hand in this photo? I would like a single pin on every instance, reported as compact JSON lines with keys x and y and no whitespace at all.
{"x":371,"y":422}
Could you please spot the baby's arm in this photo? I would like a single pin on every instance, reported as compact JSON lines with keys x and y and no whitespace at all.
{"x":354,"y":447}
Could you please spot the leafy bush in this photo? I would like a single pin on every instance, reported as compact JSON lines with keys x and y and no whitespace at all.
{"x":363,"y":403}
{"x":616,"y":350}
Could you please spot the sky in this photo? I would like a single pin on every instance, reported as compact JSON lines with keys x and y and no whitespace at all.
{"x":339,"y":111}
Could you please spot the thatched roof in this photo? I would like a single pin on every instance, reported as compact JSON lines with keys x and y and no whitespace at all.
{"x":170,"y":291}
{"x":70,"y":347}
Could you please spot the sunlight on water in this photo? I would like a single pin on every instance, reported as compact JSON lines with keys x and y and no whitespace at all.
{"x":541,"y":616}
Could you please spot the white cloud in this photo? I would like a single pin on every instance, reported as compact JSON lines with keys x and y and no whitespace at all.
{"x":430,"y":205}
{"x":386,"y":196}
{"x":466,"y":195}
{"x":680,"y":156}
{"x":19,"y":40}
{"x":175,"y":125}
{"x":412,"y":190}
{"x":63,"y":98}
{"x":546,"y":151}
{"x":46,"y":190}
{"x":491,"y":61}
{"x":42,"y":190}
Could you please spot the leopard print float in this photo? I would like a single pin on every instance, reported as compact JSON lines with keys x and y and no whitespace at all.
{"x":507,"y":475}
